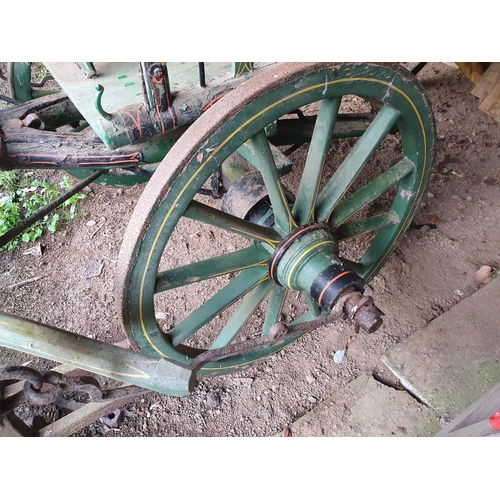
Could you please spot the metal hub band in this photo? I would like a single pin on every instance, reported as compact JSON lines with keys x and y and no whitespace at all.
{"x":307,"y":260}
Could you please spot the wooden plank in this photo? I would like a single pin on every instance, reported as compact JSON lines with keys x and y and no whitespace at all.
{"x":488,"y":80}
{"x":490,"y":103}
{"x":462,"y":349}
{"x":474,"y":421}
{"x":13,"y":426}
{"x":474,"y":71}
{"x":480,"y":429}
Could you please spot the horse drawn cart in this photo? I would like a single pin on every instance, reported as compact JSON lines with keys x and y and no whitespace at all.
{"x":213,"y":143}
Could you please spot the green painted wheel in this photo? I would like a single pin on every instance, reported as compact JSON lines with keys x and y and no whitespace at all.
{"x":176,"y":306}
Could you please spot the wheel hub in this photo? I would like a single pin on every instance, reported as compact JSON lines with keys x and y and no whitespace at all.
{"x":307,"y":260}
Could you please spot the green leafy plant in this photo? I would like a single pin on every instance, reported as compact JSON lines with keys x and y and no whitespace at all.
{"x":8,"y":180}
{"x":21,"y":197}
{"x":38,"y":70}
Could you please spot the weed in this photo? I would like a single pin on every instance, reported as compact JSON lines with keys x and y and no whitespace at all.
{"x":21,"y":197}
{"x":38,"y":71}
{"x":8,"y":180}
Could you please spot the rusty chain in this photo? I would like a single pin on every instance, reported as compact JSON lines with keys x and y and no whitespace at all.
{"x":47,"y":387}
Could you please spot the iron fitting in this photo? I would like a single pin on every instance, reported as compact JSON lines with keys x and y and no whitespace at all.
{"x":332,"y":282}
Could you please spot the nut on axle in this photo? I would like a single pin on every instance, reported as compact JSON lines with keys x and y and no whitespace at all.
{"x":363,"y":312}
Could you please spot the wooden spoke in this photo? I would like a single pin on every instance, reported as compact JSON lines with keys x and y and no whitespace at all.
{"x":304,"y":207}
{"x":277,"y":298}
{"x":375,"y":223}
{"x":213,"y":217}
{"x":246,"y":308}
{"x":236,"y":289}
{"x":267,"y":168}
{"x":350,"y":168}
{"x":364,"y":196}
{"x":210,"y":268}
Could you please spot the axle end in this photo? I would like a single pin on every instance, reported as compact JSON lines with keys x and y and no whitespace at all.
{"x":363,"y":312}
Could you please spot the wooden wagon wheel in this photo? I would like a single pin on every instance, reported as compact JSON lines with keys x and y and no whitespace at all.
{"x":380,"y":209}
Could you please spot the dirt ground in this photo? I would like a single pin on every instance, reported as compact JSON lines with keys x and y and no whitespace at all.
{"x":456,"y":230}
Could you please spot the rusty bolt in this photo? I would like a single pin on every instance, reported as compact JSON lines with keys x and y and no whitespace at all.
{"x":364,"y":313}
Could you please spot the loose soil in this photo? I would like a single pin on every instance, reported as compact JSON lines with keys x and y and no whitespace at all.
{"x":455,"y":231}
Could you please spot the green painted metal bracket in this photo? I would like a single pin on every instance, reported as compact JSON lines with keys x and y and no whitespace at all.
{"x":20,"y":81}
{"x":238,"y":68}
{"x":98,"y":103}
{"x":135,"y":368}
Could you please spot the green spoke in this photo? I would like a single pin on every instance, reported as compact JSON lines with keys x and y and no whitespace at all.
{"x":357,"y":267}
{"x":303,"y":209}
{"x":236,"y":289}
{"x":208,"y":215}
{"x":211,"y":268}
{"x":282,"y":162}
{"x":361,"y":198}
{"x":248,"y":304}
{"x":276,"y":301}
{"x":307,"y":316}
{"x":269,"y":172}
{"x":350,"y":168}
{"x":375,"y":223}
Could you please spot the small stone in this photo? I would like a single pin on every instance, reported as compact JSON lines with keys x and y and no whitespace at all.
{"x":36,"y":250}
{"x":263,"y":415}
{"x":244,"y":380}
{"x":93,"y":269}
{"x":91,"y":223}
{"x":483,"y":276}
{"x":430,"y":195}
{"x":113,"y":419}
{"x":338,"y":357}
{"x":311,"y":399}
{"x":213,"y":400}
{"x":310,"y":379}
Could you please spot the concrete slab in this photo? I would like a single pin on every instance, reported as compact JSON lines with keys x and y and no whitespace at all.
{"x":455,"y":359}
{"x":366,"y":407}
